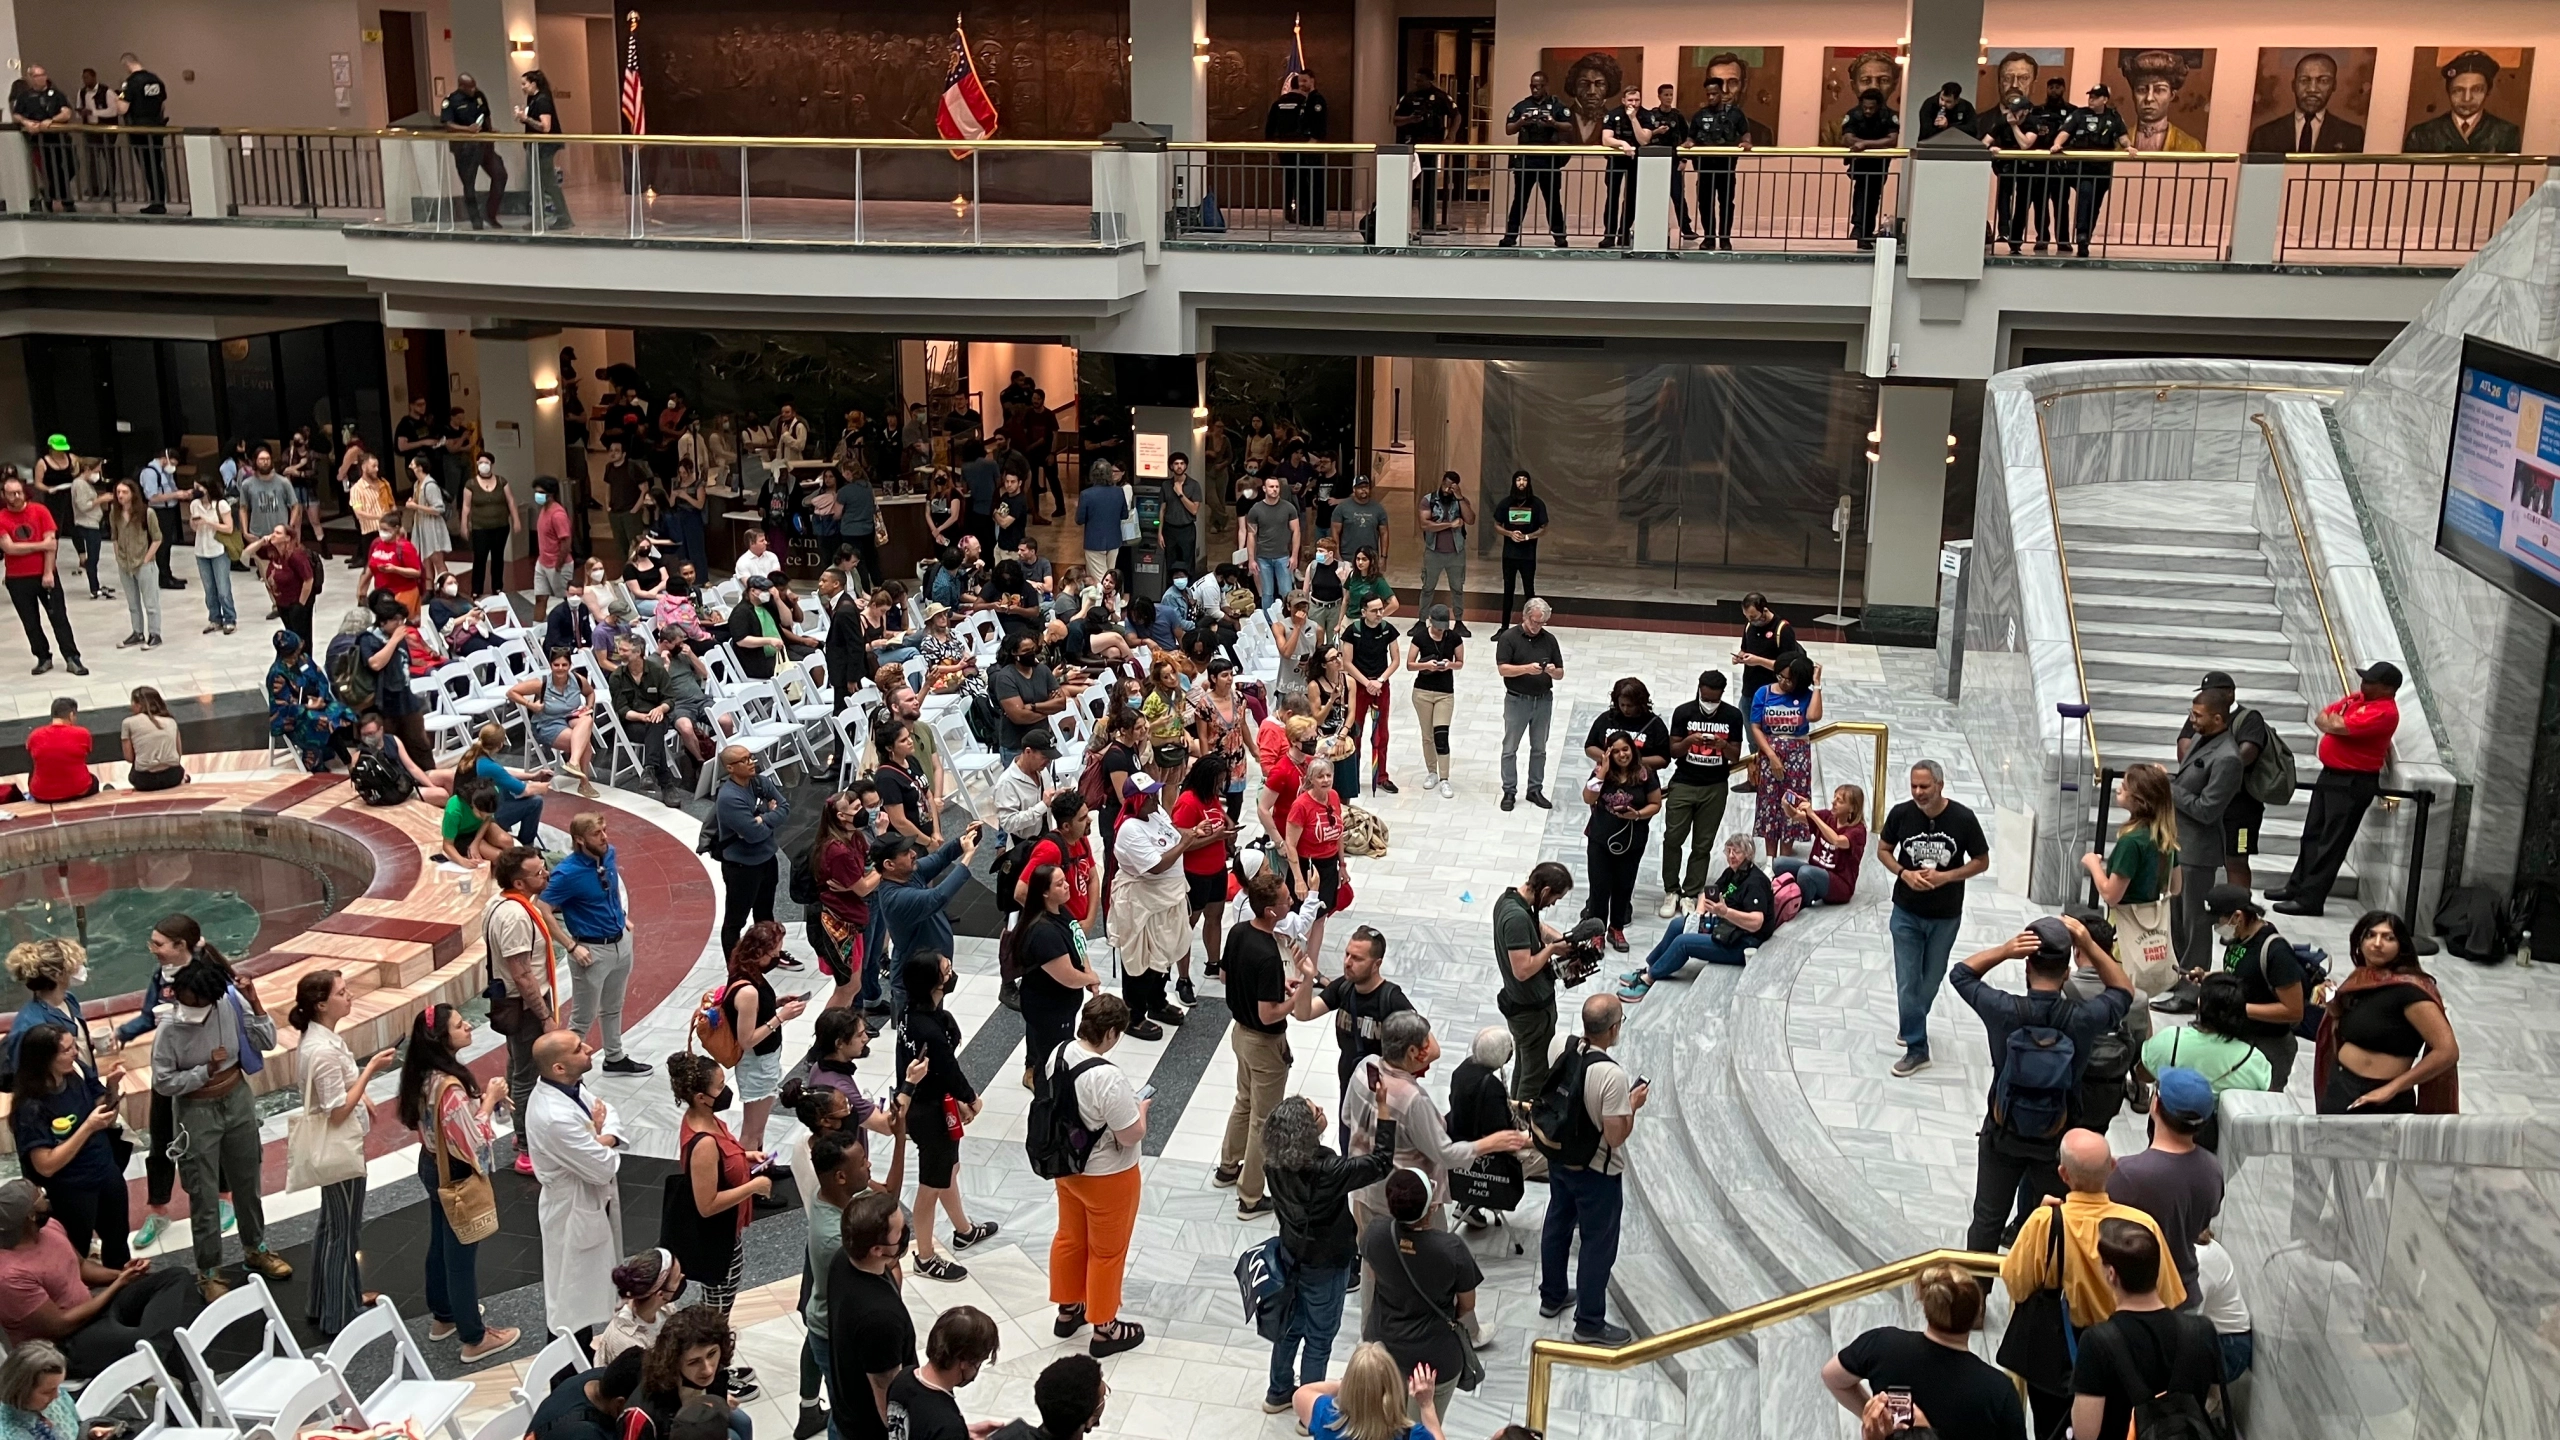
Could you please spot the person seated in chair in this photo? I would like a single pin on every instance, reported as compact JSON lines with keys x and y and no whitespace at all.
{"x":93,"y":1313}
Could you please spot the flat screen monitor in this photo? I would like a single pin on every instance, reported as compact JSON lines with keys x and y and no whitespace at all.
{"x":2503,"y":466}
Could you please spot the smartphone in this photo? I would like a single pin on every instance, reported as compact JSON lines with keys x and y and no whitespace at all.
{"x":1147,"y":1091}
{"x":761,"y":1166}
{"x":1897,"y":1403}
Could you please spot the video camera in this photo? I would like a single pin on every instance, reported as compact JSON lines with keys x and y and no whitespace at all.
{"x":1582,"y":956}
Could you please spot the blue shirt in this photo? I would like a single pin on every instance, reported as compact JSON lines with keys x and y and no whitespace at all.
{"x":1324,"y":1422}
{"x":34,"y":1013}
{"x":588,"y":894}
{"x":980,"y":477}
{"x":509,"y":787}
{"x":746,"y":837}
{"x":48,"y":1120}
{"x":1770,"y":697}
{"x":1099,"y":510}
{"x":915,"y":917}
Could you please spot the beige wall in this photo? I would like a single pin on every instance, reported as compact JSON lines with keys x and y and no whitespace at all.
{"x":262,"y":63}
{"x":1525,"y":27}
{"x":991,"y":367}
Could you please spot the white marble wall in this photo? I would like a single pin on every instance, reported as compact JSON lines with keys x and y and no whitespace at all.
{"x":2473,"y":645}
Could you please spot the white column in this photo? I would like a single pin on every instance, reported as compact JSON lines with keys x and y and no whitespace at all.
{"x":509,"y":427}
{"x":12,"y":64}
{"x":1168,"y":82}
{"x":1653,"y":200}
{"x":208,"y":178}
{"x":2257,"y":214}
{"x":1944,"y":37}
{"x":1950,"y":193}
{"x":1395,"y":196}
{"x":1909,"y":494}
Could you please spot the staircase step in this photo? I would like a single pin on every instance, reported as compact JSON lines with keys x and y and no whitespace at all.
{"x":2240,"y":557}
{"x":2182,"y":614}
{"x":2179,"y":670}
{"x":2172,"y":585}
{"x":2172,"y":696}
{"x":2222,"y":640}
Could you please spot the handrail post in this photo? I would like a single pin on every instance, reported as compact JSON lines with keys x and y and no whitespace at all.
{"x":1394,"y":182}
{"x":746,"y":212}
{"x":2257,"y":211}
{"x":18,"y":174}
{"x":2418,"y":861}
{"x":208,"y":179}
{"x":1651,"y":232}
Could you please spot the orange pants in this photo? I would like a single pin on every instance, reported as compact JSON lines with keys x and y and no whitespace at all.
{"x":1096,"y":1214}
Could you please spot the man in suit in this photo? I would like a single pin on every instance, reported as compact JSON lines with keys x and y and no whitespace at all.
{"x":2310,"y":129}
{"x":2467,"y":128}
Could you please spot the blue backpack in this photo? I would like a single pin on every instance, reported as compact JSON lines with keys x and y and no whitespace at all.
{"x":2033,"y":1098}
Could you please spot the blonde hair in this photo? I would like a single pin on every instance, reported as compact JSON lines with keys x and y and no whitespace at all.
{"x":43,"y":964}
{"x":1372,"y":1395}
{"x":1949,"y":1298}
{"x":491,"y":740}
{"x":2149,"y":807}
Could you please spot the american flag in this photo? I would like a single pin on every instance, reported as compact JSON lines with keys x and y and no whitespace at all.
{"x":1297,"y":50}
{"x":635,"y":101}
{"x":966,"y":112}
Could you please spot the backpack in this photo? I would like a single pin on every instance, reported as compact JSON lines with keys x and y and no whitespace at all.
{"x":2472,"y":922}
{"x":1788,"y":898}
{"x":380,"y":780}
{"x":1058,"y":1141}
{"x":1559,"y":1123}
{"x":710,"y":840}
{"x":354,"y":681}
{"x":2314,"y":963}
{"x":1011,"y":865}
{"x":712,"y":1028}
{"x":2105,"y":1079}
{"x":1364,"y":835}
{"x":1093,"y":783}
{"x":2168,"y":1414}
{"x":804,"y":877}
{"x":2269,"y":780}
{"x":2032,"y":1100}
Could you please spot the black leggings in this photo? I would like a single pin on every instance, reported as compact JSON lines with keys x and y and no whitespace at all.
{"x":99,"y":1210}
{"x":1525,"y":570}
{"x":488,"y":561}
{"x":1613,"y":880}
{"x":161,"y":1171}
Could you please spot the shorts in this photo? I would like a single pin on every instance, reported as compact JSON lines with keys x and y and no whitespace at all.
{"x":549,"y":728}
{"x":937,"y":1154}
{"x":2242,"y":820}
{"x":759,"y":1076}
{"x":697,"y":711}
{"x":1328,"y":880}
{"x":1208,"y":892}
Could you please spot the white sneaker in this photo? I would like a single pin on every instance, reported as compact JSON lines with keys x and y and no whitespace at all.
{"x":1447,"y":791}
{"x":1669,"y":907}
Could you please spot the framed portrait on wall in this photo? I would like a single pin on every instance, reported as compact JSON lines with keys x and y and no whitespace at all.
{"x":1589,"y":79}
{"x":2022,"y":70}
{"x":2311,"y":101}
{"x":2468,"y":100}
{"x":2165,"y":93}
{"x":1849,"y":71}
{"x":1749,"y":75}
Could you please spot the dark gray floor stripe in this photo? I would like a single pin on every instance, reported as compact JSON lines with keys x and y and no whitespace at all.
{"x":1187,"y":1056}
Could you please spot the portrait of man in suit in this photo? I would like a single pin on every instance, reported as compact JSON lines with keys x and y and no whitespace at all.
{"x":2467,"y":127}
{"x":2324,"y":93}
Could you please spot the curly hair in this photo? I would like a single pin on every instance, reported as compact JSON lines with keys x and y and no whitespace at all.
{"x":688,"y":1329}
{"x":689,"y":1075}
{"x":756,"y":950}
{"x":44,"y":964}
{"x":1292,"y":1136}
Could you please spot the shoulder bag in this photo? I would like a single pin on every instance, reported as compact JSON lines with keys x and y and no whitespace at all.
{"x":318,"y":1152}
{"x":1128,"y":515}
{"x":470,"y":1208}
{"x":2040,"y":1347}
{"x":1470,"y":1369}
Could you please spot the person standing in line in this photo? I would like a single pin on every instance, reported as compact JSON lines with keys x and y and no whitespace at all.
{"x":2271,"y":979}
{"x":134,"y":527}
{"x":1098,"y":1205}
{"x":1587,"y":1176}
{"x":1259,"y":997}
{"x":1522,"y":521}
{"x":525,"y":939}
{"x":1445,"y":515}
{"x":1932,"y":845}
{"x":1706,"y":738}
{"x":30,"y":555}
{"x":1524,"y":953}
{"x":1530,"y":662}
{"x":2385,"y":1046}
{"x":2355,"y":743}
{"x":748,"y":814}
{"x":1623,"y":797}
{"x":1311,"y":1188}
{"x":578,"y":1160}
{"x":2207,"y":778}
{"x":1539,"y":118}
{"x":2175,"y":1181}
{"x":1436,"y":652}
{"x":332,"y":1082}
{"x":1951,"y":1389}
{"x":2146,"y":1355}
{"x":1422,"y":1305}
{"x":466,"y":110}
{"x":2084,"y":1213}
{"x":199,"y":1058}
{"x":586,"y":891}
{"x":143,"y":101}
{"x":489,"y":509}
{"x":540,"y":115}
{"x":2245,"y":818}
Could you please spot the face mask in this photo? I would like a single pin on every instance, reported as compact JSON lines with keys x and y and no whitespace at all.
{"x":195,"y":1014}
{"x":2226,"y":932}
{"x":904,"y":1237}
{"x":168,"y":973}
{"x":1324,"y":557}
{"x":79,"y":975}
{"x":486,"y":468}
{"x":728,"y":1095}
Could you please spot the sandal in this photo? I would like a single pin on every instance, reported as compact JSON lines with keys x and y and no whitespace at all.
{"x":1070,"y":1320}
{"x":1117,"y":1336}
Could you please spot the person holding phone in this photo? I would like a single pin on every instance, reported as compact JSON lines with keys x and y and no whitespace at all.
{"x":1931,"y":1377}
{"x":940,"y":1106}
{"x":1098,"y":1206}
{"x":759,"y":1015}
{"x":1782,"y":716}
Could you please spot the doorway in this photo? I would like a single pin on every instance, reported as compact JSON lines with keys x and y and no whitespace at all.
{"x":404,"y":63}
{"x":1458,"y":55}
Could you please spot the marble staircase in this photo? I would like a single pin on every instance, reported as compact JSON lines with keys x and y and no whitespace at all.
{"x":2168,"y":580}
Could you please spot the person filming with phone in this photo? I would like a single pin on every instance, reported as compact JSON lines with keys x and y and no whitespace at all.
{"x":1930,"y":1378}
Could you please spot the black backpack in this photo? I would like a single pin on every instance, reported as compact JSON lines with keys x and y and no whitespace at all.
{"x":2171,"y":1414}
{"x":2032,"y":1100}
{"x":1058,"y":1142}
{"x":1010,"y":865}
{"x":1559,"y":1122}
{"x":2104,"y":1080}
{"x":379,"y":779}
{"x":804,"y":877}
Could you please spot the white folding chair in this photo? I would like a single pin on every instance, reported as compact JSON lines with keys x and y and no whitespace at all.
{"x":810,"y":716}
{"x":970,"y":763}
{"x":501,"y":613}
{"x":559,"y":1360}
{"x":269,"y":1381}
{"x":1074,"y":731}
{"x":852,"y":733}
{"x":985,"y":630}
{"x":323,"y":1397}
{"x":756,"y":732}
{"x":281,"y":753}
{"x":448,"y":729}
{"x":411,"y":1394}
{"x":165,"y":1415}
{"x":507,"y":1424}
{"x":615,"y":751}
{"x":728,"y":677}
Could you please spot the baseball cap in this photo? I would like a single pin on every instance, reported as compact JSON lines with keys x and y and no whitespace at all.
{"x":890,"y":846}
{"x":2102,"y":90}
{"x":2229,"y":899}
{"x":1139,"y":783}
{"x":2053,"y":941}
{"x":2185,"y":1095}
{"x":17,"y":1203}
{"x":759,"y":582}
{"x":2380,"y":672}
{"x":1040,"y":738}
{"x":56,"y":442}
{"x":2216,"y":680}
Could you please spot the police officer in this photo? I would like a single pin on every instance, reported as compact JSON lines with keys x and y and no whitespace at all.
{"x":1669,"y":127}
{"x":1299,"y":116}
{"x":467,"y":109}
{"x":1423,"y":116}
{"x":1720,"y":125}
{"x":1540,"y":118}
{"x":144,"y":100}
{"x":1868,"y":127}
{"x":2094,"y":128}
{"x":1623,"y":131}
{"x":2047,"y":186}
{"x":42,"y":106}
{"x":2013,"y":130}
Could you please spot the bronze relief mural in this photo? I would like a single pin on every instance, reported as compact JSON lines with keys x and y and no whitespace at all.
{"x":1249,"y":57}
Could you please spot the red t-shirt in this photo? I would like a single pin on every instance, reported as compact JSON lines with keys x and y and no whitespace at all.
{"x":2365,"y":747}
{"x":1188,"y":812}
{"x":57,"y":762}
{"x":31,"y":1275}
{"x":1319,"y":826}
{"x":287,"y":574}
{"x":1840,"y":861}
{"x":1078,"y":863}
{"x":391,"y":550}
{"x":1282,"y":778}
{"x":34,"y":522}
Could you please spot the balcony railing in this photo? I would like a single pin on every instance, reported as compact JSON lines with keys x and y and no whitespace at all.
{"x":2372,"y":209}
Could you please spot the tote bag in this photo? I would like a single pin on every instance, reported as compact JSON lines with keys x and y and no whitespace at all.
{"x":2142,"y":945}
{"x":318,"y":1152}
{"x":470,"y":1208}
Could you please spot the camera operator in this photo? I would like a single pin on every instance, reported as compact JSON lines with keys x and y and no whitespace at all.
{"x":1525,"y":950}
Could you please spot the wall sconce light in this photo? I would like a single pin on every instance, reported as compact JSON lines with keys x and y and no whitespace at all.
{"x":1199,"y":412}
{"x":546,"y":392}
{"x":519,"y":47}
{"x":1200,"y":49}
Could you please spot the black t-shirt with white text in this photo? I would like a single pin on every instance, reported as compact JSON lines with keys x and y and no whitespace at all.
{"x":868,"y":1333}
{"x":1652,"y":738}
{"x":146,"y":99}
{"x":1946,"y":842}
{"x":1699,"y":734}
{"x":917,"y":1411}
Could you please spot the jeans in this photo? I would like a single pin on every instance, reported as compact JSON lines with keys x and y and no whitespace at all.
{"x":745,"y":888}
{"x":37,"y":603}
{"x":1691,"y":814}
{"x":215,"y":573}
{"x":1920,"y":949}
{"x":173,"y":520}
{"x":1589,"y":1202}
{"x":595,"y":991}
{"x":1529,"y":713}
{"x":1679,"y":946}
{"x":1812,"y":881}
{"x":519,"y":815}
{"x":1438,"y":565}
{"x":453,"y":1268}
{"x":221,"y":1137}
{"x":1273,"y":575}
{"x":89,"y":540}
{"x":1305,"y":1345}
{"x":142,"y":601}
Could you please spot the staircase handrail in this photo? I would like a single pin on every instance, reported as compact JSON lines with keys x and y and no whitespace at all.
{"x":1883,"y":735}
{"x":2062,"y":560}
{"x":2302,"y":540}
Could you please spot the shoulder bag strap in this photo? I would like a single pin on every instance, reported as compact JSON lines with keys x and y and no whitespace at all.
{"x":1446,"y":1317}
{"x":435,"y":1128}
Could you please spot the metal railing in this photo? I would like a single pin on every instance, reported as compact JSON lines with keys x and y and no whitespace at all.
{"x":2390,"y":208}
{"x":311,"y":173}
{"x":2302,"y":541}
{"x":1307,"y":194}
{"x":120,"y":169}
{"x":1767,"y":199}
{"x":2162,"y":205}
{"x":1545,"y":1355}
{"x":1876,"y":730}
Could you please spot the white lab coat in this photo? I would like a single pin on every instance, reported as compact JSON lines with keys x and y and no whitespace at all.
{"x":581,"y":1209}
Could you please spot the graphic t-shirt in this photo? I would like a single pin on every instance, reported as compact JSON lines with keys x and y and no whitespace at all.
{"x":1949,"y":840}
{"x":1699,"y":734}
{"x":1319,"y":827}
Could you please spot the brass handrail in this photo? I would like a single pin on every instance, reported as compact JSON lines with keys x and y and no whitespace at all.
{"x":1545,"y":1355}
{"x":1834,"y":151}
{"x":2302,"y":540}
{"x":519,"y":137}
{"x":2070,"y":605}
{"x":1883,"y":735}
{"x":2417,"y":159}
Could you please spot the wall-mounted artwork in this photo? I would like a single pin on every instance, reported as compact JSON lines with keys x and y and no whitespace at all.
{"x":1249,"y":58}
{"x":2311,"y":101}
{"x":1849,"y":71}
{"x":2024,"y":71}
{"x":2164,"y":92}
{"x":1590,"y":78}
{"x":1749,"y":76}
{"x":2468,"y":100}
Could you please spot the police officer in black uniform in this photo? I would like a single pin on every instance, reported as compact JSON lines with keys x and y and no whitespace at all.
{"x":2046,"y":184}
{"x":144,"y":100}
{"x":2094,"y":128}
{"x":1623,"y":131}
{"x":1539,"y":119}
{"x":1868,"y":127}
{"x":2013,"y":130}
{"x":1721,"y":125}
{"x":1671,"y":128}
{"x":39,"y":107}
{"x":467,"y":109}
{"x":1299,"y":116}
{"x":1423,"y":116}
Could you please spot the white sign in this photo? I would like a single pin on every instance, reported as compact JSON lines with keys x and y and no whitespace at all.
{"x":1949,"y":563}
{"x":1153,"y":451}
